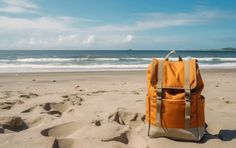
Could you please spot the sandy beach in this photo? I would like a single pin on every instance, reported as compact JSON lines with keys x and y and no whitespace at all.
{"x":101,"y":109}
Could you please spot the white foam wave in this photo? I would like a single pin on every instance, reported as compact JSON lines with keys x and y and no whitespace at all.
{"x":5,"y":60}
{"x":220,"y":65}
{"x":44,"y":59}
{"x":31,"y":60}
{"x":106,"y":59}
{"x":215,"y":59}
{"x":57,"y":68}
{"x":49,"y":66}
{"x":201,"y":59}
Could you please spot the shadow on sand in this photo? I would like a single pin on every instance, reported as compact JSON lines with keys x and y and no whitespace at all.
{"x":223,"y":135}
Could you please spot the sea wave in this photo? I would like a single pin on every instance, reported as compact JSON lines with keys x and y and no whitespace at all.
{"x":216,"y":59}
{"x":100,"y":63}
{"x":219,"y":65}
{"x":29,"y":60}
{"x":97,"y":66}
{"x":44,"y":59}
{"x":49,"y":66}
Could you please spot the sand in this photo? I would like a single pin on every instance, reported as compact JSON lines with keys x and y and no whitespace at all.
{"x":101,"y":109}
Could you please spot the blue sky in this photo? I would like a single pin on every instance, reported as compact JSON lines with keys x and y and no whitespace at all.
{"x":120,"y":24}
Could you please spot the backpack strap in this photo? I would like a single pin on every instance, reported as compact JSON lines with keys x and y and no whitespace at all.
{"x":187,"y":93}
{"x":159,"y":93}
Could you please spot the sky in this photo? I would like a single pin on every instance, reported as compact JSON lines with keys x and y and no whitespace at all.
{"x":117,"y":24}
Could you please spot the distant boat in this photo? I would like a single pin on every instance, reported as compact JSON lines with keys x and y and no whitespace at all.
{"x":130,"y":49}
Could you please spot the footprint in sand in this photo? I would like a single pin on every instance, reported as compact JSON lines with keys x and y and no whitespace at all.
{"x":135,"y":123}
{"x":139,"y":100}
{"x":5,"y":94}
{"x":115,"y":132}
{"x":62,"y":132}
{"x":10,"y":124}
{"x":124,"y":117}
{"x":57,"y":109}
{"x":97,"y":122}
{"x":125,"y":135}
{"x":73,"y":99}
{"x":95,"y":92}
{"x":8,"y":94}
{"x":51,"y":108}
{"x":122,"y":137}
{"x":123,"y":126}
{"x":98,"y":91}
{"x":7,"y":105}
{"x":28,"y":96}
{"x":106,"y":134}
{"x":135,"y":92}
{"x":225,"y":100}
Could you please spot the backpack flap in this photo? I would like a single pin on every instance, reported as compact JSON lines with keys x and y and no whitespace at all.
{"x":173,"y":73}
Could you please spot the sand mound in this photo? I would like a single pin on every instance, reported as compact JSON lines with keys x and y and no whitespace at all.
{"x":120,"y":138}
{"x":34,"y":121}
{"x":106,"y":133}
{"x":85,"y":143}
{"x":124,"y":117}
{"x":136,"y":140}
{"x":63,"y":143}
{"x":123,"y":134}
{"x":61,"y":131}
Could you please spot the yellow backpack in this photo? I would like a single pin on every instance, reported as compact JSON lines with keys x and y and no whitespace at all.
{"x":174,"y":104}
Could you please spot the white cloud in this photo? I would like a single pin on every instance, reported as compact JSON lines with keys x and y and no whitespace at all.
{"x":21,"y":3}
{"x":65,"y":31}
{"x":164,"y":20}
{"x":17,"y":6}
{"x":41,"y":23}
{"x":150,"y":21}
{"x":67,"y":39}
{"x":69,"y":19}
{"x":128,"y":39}
{"x":32,"y":41}
{"x":90,"y":40}
{"x":61,"y":39}
{"x":13,"y":9}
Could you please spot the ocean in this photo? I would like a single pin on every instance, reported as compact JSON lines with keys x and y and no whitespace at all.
{"x":16,"y":61}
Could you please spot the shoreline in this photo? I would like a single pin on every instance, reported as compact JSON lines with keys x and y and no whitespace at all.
{"x":110,"y":71}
